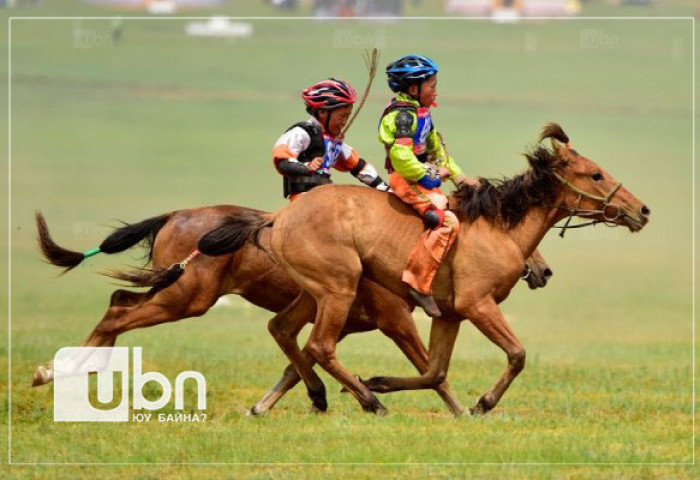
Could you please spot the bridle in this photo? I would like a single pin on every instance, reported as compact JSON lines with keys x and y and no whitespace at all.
{"x":608,"y":220}
{"x":527,"y":272}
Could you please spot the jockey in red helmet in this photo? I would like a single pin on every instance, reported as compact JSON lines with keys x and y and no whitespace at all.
{"x":308,"y":150}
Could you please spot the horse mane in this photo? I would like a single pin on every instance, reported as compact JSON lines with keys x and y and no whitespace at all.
{"x":505,"y":201}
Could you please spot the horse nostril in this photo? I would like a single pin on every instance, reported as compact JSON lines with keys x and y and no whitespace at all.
{"x":548,"y":273}
{"x":645,"y":211}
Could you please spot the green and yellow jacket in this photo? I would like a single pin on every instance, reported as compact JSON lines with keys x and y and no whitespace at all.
{"x":412,"y":141}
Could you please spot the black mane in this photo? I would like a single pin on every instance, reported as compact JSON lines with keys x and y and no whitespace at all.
{"x":505,"y":201}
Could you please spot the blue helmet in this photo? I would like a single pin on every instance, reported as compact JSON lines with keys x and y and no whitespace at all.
{"x":409,"y":69}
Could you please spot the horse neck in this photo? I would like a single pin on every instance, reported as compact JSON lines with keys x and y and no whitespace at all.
{"x":537,"y":222}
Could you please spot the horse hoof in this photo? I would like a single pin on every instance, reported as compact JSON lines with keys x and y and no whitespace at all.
{"x":319,"y":404}
{"x":478,"y":410}
{"x":380,"y":411}
{"x":376,"y":407}
{"x":318,"y":397}
{"x":465,"y":412}
{"x":482,"y":407}
{"x":42,"y":376}
{"x":254,"y":412}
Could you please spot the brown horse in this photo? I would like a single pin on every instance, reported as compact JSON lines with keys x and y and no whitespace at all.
{"x":536,"y":273}
{"x":249,"y":272}
{"x":358,"y":232}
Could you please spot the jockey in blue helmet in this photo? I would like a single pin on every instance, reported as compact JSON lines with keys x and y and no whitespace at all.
{"x":417,"y":163}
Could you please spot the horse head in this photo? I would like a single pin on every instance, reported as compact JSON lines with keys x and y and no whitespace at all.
{"x":536,"y":272}
{"x":589,"y":191}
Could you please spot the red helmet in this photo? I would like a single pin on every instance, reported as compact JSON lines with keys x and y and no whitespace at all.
{"x":329,"y":95}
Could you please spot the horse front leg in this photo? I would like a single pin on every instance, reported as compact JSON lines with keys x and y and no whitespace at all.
{"x":406,"y":337}
{"x":487,"y":317}
{"x":289,"y":379}
{"x":443,"y":334}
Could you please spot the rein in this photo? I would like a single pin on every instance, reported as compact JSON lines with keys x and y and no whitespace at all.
{"x":608,"y":220}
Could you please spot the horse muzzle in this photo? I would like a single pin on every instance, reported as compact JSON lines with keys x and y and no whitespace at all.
{"x":637,"y":220}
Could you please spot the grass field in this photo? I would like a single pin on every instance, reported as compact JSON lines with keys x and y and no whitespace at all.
{"x":163,"y":122}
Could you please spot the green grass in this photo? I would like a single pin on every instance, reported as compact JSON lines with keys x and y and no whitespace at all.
{"x":165,"y":122}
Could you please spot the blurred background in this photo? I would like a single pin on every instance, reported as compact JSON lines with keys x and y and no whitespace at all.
{"x":503,"y":9}
{"x":125,"y":118}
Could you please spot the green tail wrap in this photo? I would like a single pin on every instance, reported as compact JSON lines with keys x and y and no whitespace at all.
{"x":92,"y":252}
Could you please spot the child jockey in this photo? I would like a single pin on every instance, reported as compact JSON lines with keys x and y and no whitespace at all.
{"x":308,"y":150}
{"x":417,"y":165}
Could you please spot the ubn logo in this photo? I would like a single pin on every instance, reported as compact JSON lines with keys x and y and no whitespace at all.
{"x":73,"y":366}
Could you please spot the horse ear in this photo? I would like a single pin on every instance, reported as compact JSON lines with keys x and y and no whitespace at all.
{"x":558,"y":139}
{"x":554,"y":130}
{"x":558,"y":148}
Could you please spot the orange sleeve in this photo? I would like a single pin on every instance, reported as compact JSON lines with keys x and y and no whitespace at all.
{"x":281,"y":152}
{"x":348,"y":164}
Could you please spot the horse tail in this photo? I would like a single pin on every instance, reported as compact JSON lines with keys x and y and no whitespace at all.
{"x":234,"y":232}
{"x":230,"y":236}
{"x":157,"y":279}
{"x":121,"y":239}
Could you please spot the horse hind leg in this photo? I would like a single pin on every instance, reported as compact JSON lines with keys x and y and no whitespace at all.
{"x":45,"y":374}
{"x":119,"y":300}
{"x":127,"y":298}
{"x":332,"y":312}
{"x":166,"y":306}
{"x":284,"y":328}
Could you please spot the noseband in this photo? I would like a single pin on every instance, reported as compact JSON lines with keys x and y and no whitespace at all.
{"x":608,"y":219}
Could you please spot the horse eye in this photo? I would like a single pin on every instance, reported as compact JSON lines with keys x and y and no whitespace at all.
{"x":597,"y":176}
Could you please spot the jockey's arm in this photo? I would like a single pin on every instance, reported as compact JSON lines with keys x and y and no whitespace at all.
{"x":367,"y":174}
{"x":360,"y":168}
{"x":292,"y":167}
{"x":286,"y":152}
{"x":445,"y":161}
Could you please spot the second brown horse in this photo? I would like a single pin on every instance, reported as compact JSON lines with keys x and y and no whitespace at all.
{"x":250,"y":273}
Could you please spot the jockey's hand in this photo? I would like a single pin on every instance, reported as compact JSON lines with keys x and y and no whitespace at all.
{"x":464,"y":180}
{"x":444,"y":173}
{"x":314,"y":164}
{"x":474,"y":182}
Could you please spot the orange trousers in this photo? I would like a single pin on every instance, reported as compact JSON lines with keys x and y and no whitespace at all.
{"x":427,"y":255}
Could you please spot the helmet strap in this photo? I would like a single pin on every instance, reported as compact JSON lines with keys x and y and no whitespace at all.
{"x":328,"y":121}
{"x":417,"y":96}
